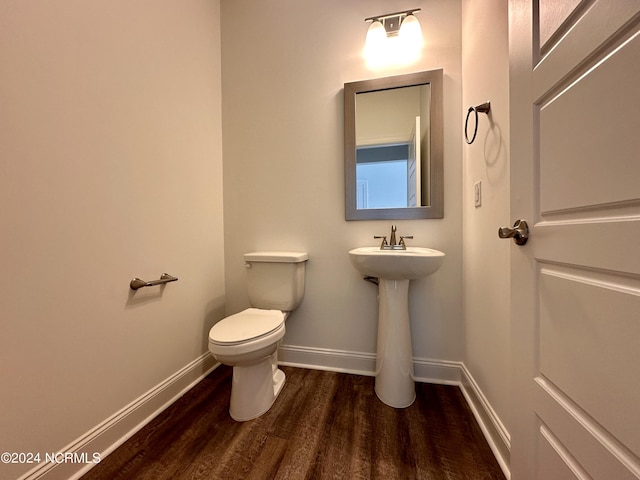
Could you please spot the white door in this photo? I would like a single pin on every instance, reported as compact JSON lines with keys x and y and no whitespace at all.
{"x":414,"y":176}
{"x":575,"y":286}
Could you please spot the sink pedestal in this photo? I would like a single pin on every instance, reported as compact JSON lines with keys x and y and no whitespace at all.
{"x":394,"y":269}
{"x":394,"y":383}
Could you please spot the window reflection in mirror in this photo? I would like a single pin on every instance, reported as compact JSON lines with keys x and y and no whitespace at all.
{"x":393,"y":147}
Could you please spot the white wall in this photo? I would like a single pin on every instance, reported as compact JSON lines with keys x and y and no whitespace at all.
{"x":284,"y":64}
{"x":485,"y":72}
{"x":110,"y":168}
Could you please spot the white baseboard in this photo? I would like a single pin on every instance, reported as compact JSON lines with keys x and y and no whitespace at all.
{"x":115,"y":430}
{"x":442,"y":372}
{"x":426,"y":371}
{"x":494,"y":430}
{"x":359,"y":363}
{"x":327,"y":359}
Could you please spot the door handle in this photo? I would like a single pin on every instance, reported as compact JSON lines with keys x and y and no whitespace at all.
{"x":519,"y":232}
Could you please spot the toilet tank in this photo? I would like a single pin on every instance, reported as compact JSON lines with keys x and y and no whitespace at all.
{"x":275,"y":280}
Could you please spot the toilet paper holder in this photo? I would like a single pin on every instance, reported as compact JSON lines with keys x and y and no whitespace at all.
{"x":138,"y":283}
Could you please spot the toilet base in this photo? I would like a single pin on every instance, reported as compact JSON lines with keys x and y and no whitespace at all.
{"x":254,"y":388}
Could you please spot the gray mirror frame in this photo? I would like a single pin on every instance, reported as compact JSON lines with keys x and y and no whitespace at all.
{"x":435,"y":209}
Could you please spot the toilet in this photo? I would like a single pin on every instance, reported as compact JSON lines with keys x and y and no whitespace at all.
{"x":248,"y":341}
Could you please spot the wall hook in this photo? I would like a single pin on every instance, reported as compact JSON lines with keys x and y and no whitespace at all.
{"x":484,"y":108}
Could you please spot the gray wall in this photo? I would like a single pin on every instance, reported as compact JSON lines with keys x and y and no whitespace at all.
{"x":485,"y":68}
{"x":284,"y":65}
{"x":110,"y":168}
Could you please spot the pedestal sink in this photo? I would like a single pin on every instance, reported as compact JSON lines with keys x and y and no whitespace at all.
{"x":394,"y":383}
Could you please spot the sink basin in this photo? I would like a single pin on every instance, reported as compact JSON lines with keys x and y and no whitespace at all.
{"x":409,"y":264}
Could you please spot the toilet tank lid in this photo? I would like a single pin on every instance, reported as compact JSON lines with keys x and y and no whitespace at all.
{"x":280,"y":257}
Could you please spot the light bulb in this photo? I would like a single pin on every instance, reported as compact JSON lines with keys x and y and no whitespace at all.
{"x":410,"y":39}
{"x":410,"y":30}
{"x":376,"y":45}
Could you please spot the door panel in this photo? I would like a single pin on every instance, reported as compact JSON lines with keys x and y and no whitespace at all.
{"x":576,"y":284}
{"x":588,"y":344}
{"x":552,"y":15}
{"x":575,"y":163}
{"x":555,"y":460}
{"x":605,"y":241}
{"x":590,"y":445}
{"x":588,"y":30}
{"x":414,"y":175}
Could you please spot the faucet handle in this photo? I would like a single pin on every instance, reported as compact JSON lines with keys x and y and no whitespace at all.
{"x":404,"y":246}
{"x":384,"y":240}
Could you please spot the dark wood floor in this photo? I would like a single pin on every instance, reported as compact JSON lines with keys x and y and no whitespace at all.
{"x":324,"y":425}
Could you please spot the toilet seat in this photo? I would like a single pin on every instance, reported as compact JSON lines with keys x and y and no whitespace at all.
{"x":249,"y":325}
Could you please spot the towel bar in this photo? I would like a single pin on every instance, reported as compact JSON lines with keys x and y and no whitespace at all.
{"x":137,"y":283}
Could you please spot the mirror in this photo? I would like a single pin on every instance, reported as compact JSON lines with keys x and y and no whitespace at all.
{"x":393,"y":140}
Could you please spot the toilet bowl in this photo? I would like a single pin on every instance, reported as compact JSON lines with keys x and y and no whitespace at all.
{"x":248,"y":341}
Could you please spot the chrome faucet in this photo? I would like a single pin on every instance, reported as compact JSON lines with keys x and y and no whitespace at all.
{"x":392,"y":244}
{"x":393,"y":235}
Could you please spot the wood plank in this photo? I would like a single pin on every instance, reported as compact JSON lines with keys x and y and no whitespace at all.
{"x":323,"y":425}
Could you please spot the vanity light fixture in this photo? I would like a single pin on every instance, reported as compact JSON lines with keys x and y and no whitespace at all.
{"x":392,"y":22}
{"x":393,"y":38}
